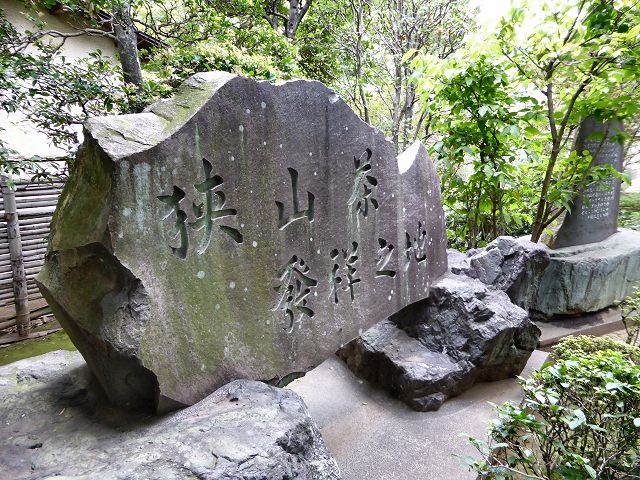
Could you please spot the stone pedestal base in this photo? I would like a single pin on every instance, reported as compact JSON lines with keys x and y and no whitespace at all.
{"x":587,"y":278}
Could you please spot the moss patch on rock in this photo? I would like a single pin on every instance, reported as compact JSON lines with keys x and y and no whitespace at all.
{"x":37,"y":346}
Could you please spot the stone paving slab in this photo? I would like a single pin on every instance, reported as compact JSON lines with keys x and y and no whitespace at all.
{"x":374,"y":437}
{"x":597,"y":323}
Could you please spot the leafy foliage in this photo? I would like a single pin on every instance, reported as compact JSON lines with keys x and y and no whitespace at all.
{"x":629,"y":211}
{"x":579,"y":419}
{"x":477,"y":121}
{"x":631,"y":317}
{"x":585,"y":345}
{"x":581,"y":57}
{"x":57,"y":95}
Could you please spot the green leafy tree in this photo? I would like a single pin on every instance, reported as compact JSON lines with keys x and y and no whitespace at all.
{"x":399,"y":30}
{"x":477,"y":120}
{"x":581,"y":57}
{"x":185,"y":36}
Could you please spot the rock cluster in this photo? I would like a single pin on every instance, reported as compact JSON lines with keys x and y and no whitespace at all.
{"x":513,"y":265}
{"x":464,"y":332}
{"x":56,"y":424}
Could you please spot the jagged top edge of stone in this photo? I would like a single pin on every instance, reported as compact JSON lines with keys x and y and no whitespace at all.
{"x":123,"y":135}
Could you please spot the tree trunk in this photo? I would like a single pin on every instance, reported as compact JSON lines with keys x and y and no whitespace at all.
{"x":127,"y":41}
{"x":397,"y":98}
{"x":271,"y":13}
{"x":297,"y":10}
{"x":410,"y":96}
{"x":358,"y":12}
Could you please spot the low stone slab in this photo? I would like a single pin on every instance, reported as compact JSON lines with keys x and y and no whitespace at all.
{"x":463,"y":333}
{"x":587,"y":278}
{"x":238,"y":230}
{"x":56,"y":425}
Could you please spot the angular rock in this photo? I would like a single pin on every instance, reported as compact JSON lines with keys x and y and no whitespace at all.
{"x":513,"y":265}
{"x":54,"y":423}
{"x":586,"y":278}
{"x":463,"y":333}
{"x":238,"y":230}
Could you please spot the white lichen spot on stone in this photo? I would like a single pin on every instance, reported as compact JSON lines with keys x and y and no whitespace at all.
{"x":242,"y":225}
{"x":333,"y":98}
{"x":311,"y":239}
{"x":404,"y":210}
{"x":393,"y":195}
{"x":391,"y":292}
{"x":263,"y":105}
{"x":248,"y":111}
{"x":318,"y":252}
{"x":264,"y":143}
{"x":246,"y":289}
{"x":346,"y":128}
{"x":203,"y":367}
{"x":280,"y":145}
{"x":311,"y":154}
{"x":232,"y":285}
{"x":315,"y":174}
{"x":254,"y":244}
{"x":232,"y":158}
{"x":241,"y":128}
{"x":315,"y":294}
{"x":389,"y":298}
{"x":200,"y":274}
{"x":217,"y":306}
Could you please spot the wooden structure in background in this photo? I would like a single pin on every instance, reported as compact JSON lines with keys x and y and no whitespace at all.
{"x":35,"y":204}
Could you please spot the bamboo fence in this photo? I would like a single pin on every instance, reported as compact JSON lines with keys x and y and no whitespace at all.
{"x":35,"y":204}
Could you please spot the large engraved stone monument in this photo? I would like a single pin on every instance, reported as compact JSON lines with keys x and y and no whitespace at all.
{"x":238,"y":230}
{"x":596,"y":218}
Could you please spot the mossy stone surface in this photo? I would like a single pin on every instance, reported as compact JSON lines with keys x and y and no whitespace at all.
{"x":238,"y":230}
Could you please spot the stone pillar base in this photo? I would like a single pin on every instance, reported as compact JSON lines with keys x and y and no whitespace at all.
{"x":588,"y":278}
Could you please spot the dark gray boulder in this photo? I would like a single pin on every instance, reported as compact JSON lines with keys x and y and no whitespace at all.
{"x":56,"y":424}
{"x":463,"y":333}
{"x":513,"y":265}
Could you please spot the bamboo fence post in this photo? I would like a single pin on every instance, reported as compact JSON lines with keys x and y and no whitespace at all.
{"x":23,"y":319}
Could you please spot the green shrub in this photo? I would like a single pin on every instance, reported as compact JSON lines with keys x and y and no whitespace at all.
{"x":585,"y":345}
{"x":630,"y":308}
{"x":579,"y":419}
{"x":629,"y":216}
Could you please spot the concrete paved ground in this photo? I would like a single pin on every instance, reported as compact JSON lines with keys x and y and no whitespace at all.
{"x":375,"y":437}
